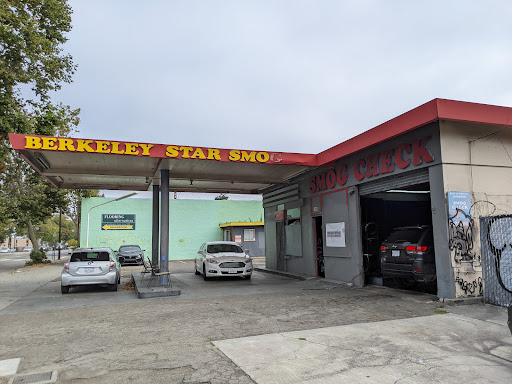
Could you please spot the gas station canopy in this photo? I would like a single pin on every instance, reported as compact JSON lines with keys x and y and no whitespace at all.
{"x":108,"y":164}
{"x":73,"y":163}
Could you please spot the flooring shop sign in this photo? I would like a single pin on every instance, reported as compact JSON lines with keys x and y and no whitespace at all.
{"x":111,"y":222}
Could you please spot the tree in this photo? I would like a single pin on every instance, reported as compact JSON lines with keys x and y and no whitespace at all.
{"x":32,"y":67}
{"x":74,"y":208}
{"x":32,"y":33}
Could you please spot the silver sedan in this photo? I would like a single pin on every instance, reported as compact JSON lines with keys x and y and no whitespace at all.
{"x":223,"y":258}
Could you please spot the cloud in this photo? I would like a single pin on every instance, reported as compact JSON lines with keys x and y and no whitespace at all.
{"x":296,"y":76}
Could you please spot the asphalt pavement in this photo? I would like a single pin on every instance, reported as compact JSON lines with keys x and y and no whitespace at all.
{"x":270,"y":329}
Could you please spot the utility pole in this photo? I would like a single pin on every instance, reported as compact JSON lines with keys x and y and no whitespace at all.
{"x":60,"y":225}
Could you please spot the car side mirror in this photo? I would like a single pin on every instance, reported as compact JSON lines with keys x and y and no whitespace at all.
{"x":116,"y":252}
{"x":246,"y":251}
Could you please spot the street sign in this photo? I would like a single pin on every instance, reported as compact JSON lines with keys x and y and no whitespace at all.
{"x":116,"y":221}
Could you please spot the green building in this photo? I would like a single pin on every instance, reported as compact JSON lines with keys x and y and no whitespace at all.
{"x":191,"y":223}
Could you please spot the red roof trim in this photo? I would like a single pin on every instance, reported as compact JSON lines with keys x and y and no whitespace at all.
{"x":437,"y":109}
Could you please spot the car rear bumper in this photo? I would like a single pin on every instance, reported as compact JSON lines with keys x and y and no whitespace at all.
{"x":67,"y":279}
{"x":427,"y":274}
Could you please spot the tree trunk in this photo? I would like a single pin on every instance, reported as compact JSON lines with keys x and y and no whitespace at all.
{"x":32,"y":236}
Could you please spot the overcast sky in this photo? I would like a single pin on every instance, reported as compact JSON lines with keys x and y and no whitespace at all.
{"x":282,"y":75}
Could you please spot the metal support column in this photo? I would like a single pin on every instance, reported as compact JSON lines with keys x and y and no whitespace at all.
{"x":164,"y":224}
{"x":156,"y":225}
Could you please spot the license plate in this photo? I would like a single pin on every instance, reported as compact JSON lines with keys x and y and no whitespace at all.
{"x":89,"y":270}
{"x":395,"y":253}
{"x":232,"y":271}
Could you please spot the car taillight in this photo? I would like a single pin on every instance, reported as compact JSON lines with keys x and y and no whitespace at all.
{"x":66,"y":266}
{"x":382,"y":247}
{"x":112,"y":264}
{"x":416,"y":248}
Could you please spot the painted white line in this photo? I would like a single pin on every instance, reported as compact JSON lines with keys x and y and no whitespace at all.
{"x":9,"y":367}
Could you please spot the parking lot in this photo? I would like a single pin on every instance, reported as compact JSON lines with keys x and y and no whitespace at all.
{"x":93,"y":335}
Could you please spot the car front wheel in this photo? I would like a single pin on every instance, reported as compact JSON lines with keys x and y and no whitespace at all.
{"x":195,"y":269}
{"x":204,"y":274}
{"x":248,"y":277}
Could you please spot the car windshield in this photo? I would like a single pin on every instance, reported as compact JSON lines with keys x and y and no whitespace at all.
{"x":129,"y":248}
{"x":405,"y":235}
{"x":224,"y":248}
{"x":90,"y":256}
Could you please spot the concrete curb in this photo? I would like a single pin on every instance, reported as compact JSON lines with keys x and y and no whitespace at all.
{"x":145,"y":292}
{"x":285,"y":274}
{"x":461,"y":301}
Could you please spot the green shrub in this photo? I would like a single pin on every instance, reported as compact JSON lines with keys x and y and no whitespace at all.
{"x":37,"y":258}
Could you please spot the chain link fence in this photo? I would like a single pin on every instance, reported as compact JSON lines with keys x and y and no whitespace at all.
{"x":496,"y":246}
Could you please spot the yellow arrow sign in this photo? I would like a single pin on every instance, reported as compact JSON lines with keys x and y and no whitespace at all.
{"x":117,"y":226}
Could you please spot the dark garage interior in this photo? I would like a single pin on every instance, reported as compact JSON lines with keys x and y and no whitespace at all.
{"x":381,"y":213}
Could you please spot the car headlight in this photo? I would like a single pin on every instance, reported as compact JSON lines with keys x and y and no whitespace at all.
{"x":212,"y":260}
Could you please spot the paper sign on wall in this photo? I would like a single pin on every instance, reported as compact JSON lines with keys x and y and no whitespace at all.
{"x":238,"y":239}
{"x":335,"y":235}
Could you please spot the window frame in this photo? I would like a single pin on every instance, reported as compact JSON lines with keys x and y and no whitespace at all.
{"x":249,"y":230}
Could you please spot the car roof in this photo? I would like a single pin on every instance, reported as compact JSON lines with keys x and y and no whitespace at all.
{"x":102,"y":249}
{"x":412,"y":227}
{"x":221,"y":242}
{"x":133,"y":245}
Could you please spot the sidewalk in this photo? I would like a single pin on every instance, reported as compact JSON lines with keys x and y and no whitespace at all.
{"x":432,"y":349}
{"x":20,"y":282}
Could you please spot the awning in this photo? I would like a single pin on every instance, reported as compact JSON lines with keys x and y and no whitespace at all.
{"x":108,"y":164}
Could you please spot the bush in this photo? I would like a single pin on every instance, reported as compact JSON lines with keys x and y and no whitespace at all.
{"x":37,"y":258}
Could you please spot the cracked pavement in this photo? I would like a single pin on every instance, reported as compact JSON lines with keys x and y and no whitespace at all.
{"x":96,"y":336}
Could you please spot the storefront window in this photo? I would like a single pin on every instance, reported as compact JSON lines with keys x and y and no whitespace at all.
{"x":249,"y":234}
{"x":293,"y":232}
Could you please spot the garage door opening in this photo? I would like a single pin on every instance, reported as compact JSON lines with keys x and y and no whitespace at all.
{"x":398,"y":247}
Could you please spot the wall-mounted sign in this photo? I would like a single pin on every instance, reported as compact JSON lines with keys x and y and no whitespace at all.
{"x":403,"y":156}
{"x":335,"y":235}
{"x":116,"y":221}
{"x":459,"y":205}
{"x":238,"y":239}
{"x":280,"y":215}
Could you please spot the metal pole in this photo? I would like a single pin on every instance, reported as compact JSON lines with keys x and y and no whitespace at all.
{"x":60,"y":230}
{"x":164,"y":224}
{"x":156,"y":225}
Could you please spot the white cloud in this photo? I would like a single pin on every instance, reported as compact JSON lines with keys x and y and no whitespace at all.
{"x":296,"y":76}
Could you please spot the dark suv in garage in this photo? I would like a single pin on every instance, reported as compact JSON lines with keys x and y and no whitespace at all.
{"x":407,"y":255}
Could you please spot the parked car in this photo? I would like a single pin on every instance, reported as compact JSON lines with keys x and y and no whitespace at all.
{"x":130,"y":254}
{"x":28,"y":249}
{"x":407,"y":255}
{"x":91,"y":266}
{"x":5,"y":250}
{"x":222,"y":258}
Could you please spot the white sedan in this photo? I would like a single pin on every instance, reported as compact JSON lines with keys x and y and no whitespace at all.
{"x":222,"y":258}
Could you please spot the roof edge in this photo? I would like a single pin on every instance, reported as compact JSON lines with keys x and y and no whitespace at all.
{"x":434,"y":110}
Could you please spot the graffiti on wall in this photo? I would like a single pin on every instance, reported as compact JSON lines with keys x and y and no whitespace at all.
{"x":461,"y":241}
{"x":499,"y":241}
{"x":470,"y":287}
{"x":461,"y":227}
